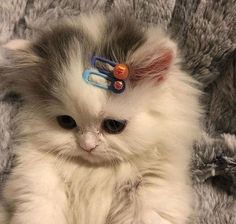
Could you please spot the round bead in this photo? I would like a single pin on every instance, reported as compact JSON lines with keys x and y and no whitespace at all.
{"x":121,"y":71}
{"x":118,"y":85}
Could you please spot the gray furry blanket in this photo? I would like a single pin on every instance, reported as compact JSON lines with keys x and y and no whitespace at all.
{"x":206,"y":33}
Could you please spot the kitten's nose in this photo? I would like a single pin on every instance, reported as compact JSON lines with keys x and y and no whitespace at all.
{"x":88,"y":141}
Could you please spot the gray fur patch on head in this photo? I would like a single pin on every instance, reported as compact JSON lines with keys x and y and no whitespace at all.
{"x":57,"y":44}
{"x":122,"y":36}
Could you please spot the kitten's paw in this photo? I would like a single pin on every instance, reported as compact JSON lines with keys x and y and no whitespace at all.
{"x":152,"y":217}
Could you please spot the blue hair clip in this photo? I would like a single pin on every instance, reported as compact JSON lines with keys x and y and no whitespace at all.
{"x":114,"y":85}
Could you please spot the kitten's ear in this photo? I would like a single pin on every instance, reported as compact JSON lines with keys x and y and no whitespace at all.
{"x":17,"y":65}
{"x":17,"y":54}
{"x":153,"y":59}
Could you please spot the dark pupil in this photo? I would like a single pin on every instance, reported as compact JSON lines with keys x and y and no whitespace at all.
{"x":66,"y":122}
{"x":113,"y":126}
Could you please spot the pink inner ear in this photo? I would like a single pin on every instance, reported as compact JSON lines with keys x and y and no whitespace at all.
{"x":155,"y":67}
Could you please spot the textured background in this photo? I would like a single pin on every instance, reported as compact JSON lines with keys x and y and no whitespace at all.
{"x":206,"y":33}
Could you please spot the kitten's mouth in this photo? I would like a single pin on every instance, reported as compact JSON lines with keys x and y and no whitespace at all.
{"x":90,"y":155}
{"x":88,"y":151}
{"x":94,"y":156}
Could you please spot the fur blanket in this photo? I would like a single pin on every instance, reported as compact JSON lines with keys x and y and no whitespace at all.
{"x":205,"y":31}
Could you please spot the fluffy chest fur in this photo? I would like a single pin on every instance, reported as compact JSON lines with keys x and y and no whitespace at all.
{"x":89,"y":192}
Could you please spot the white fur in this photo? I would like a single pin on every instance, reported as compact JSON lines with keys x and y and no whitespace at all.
{"x":57,"y":182}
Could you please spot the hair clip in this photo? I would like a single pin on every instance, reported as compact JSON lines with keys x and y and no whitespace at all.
{"x":114,"y":85}
{"x":114,"y":78}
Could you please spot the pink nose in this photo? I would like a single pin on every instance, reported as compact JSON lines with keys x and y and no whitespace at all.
{"x":88,"y":141}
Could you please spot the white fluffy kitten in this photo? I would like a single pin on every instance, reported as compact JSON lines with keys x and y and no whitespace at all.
{"x":90,"y":156}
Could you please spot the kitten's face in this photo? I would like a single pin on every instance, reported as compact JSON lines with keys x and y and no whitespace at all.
{"x":96,"y":126}
{"x":66,"y":116}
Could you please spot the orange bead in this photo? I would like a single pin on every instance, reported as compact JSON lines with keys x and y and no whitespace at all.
{"x":121,"y":71}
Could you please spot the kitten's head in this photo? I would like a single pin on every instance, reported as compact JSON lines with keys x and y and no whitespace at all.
{"x":66,"y":116}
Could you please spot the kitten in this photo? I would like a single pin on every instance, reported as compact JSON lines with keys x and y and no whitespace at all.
{"x":87,"y":155}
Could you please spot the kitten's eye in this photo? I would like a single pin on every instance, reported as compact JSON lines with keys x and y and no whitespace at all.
{"x":113,"y":126}
{"x":66,"y":122}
